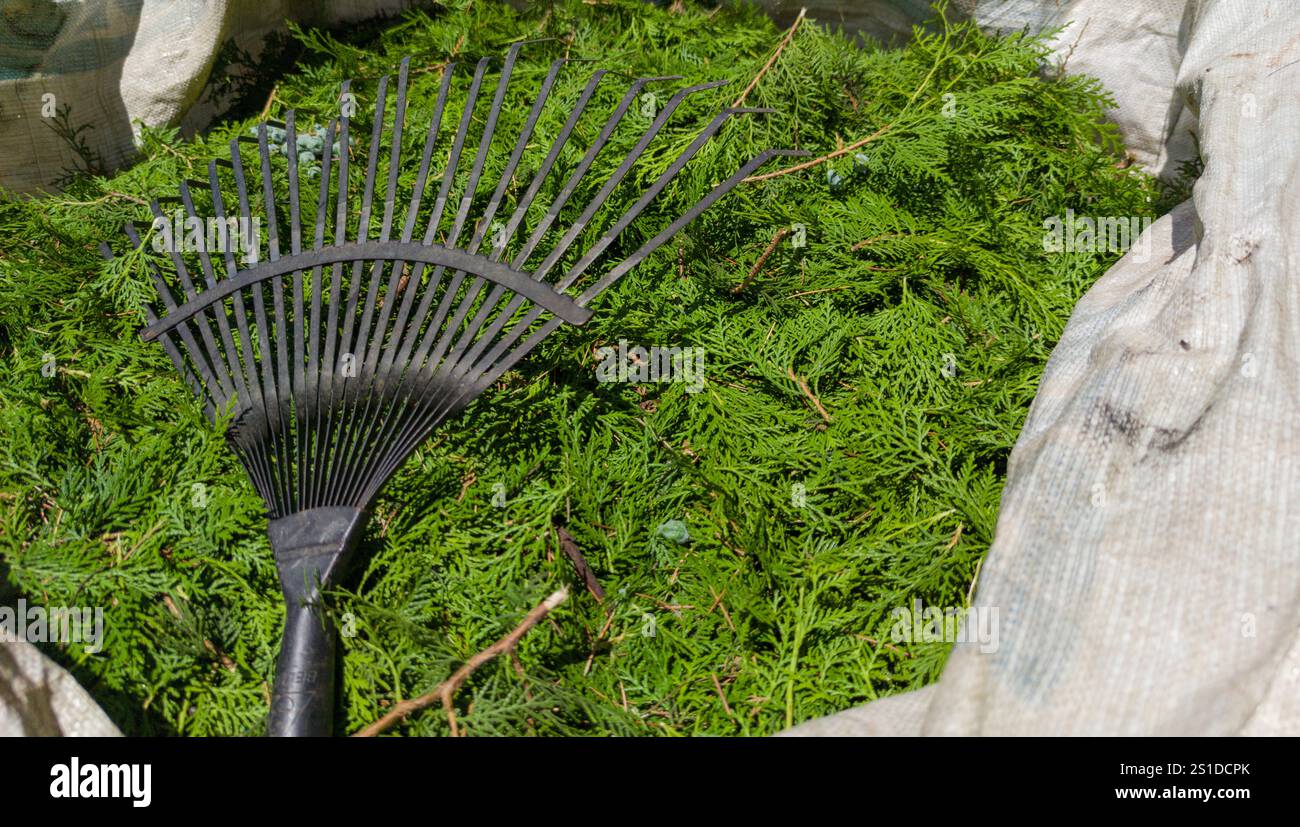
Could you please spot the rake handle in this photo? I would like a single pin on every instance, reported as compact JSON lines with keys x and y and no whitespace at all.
{"x":302,"y":702}
{"x":311,"y":549}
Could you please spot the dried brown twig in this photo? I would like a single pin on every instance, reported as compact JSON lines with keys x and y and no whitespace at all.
{"x":807,"y":391}
{"x":823,"y":159}
{"x":785,"y":41}
{"x":570,"y":548}
{"x":762,"y":259}
{"x":447,"y":689}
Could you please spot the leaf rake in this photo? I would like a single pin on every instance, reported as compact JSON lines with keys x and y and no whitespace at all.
{"x":335,"y":355}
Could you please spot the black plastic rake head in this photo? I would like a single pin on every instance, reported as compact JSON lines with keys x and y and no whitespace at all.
{"x":389,"y":306}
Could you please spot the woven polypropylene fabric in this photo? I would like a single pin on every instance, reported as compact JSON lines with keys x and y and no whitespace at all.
{"x":120,"y":63}
{"x":1146,"y":568}
{"x":38,"y":697}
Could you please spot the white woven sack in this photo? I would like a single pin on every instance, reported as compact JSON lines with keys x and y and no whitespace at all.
{"x":121,"y":63}
{"x":38,"y":697}
{"x":1146,"y":568}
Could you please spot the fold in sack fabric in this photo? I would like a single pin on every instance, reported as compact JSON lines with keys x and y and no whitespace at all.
{"x":39,"y":698}
{"x":1146,"y":563}
{"x":108,"y":66}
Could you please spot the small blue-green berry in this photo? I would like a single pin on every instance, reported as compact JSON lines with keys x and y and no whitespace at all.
{"x":674,"y":531}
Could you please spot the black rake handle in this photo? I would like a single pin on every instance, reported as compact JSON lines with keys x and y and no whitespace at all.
{"x":312,"y":549}
{"x":302,"y":703}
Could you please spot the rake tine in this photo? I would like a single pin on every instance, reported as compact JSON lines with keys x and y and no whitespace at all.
{"x":394,"y":155}
{"x":690,"y":215}
{"x":471,"y":185}
{"x":571,"y":185}
{"x":467,"y":198}
{"x":416,"y":433}
{"x":252,"y":393}
{"x":390,"y":296}
{"x":525,"y":135}
{"x":520,"y":210}
{"x":266,"y":362}
{"x":223,"y":324}
{"x":543,"y":172}
{"x":489,"y":213}
{"x":449,"y":331}
{"x":357,"y":348}
{"x":525,"y":201}
{"x":336,"y":282}
{"x":250,"y":453}
{"x":431,"y":137}
{"x":169,"y":344}
{"x":594,"y":251}
{"x":363,"y":230}
{"x":408,"y":297}
{"x":451,"y":369}
{"x":263,"y":365}
{"x":457,"y":147}
{"x":472,"y":292}
{"x":624,"y":168}
{"x":284,"y":389}
{"x":340,"y":237}
{"x":367,"y":428}
{"x":635,"y":258}
{"x":432,"y":289}
{"x":485,"y":143}
{"x":298,"y":374}
{"x":313,"y":325}
{"x":440,"y":202}
{"x":194,"y":382}
{"x":591,"y":210}
{"x":412,"y":214}
{"x":208,"y":360}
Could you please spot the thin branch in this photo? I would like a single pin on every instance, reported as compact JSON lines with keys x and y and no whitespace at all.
{"x":570,"y":548}
{"x":888,"y":646}
{"x":762,"y":259}
{"x":803,"y":386}
{"x":856,"y":144}
{"x":726,"y":707}
{"x":789,"y":35}
{"x":974,"y":581}
{"x":867,"y":242}
{"x":1060,"y":70}
{"x":266,"y":110}
{"x":447,"y":689}
{"x":822,"y":290}
{"x":106,"y":197}
{"x":823,"y":159}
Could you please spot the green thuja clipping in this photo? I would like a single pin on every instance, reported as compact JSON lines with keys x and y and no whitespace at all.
{"x":866,"y":335}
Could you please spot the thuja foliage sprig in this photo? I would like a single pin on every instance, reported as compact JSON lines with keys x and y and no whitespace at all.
{"x":873,"y":325}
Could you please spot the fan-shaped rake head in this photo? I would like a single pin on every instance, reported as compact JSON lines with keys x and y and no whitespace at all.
{"x":339,"y":312}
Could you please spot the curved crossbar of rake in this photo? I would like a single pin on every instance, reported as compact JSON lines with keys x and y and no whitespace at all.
{"x":333,"y":376}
